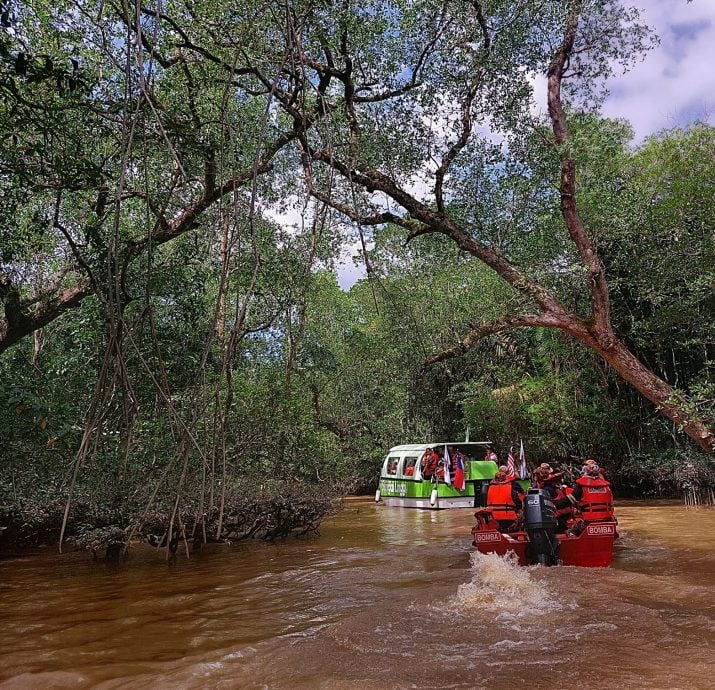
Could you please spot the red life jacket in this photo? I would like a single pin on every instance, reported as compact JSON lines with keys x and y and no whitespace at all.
{"x":430,"y":465}
{"x":567,"y":510}
{"x":500,"y":501}
{"x":597,"y":500}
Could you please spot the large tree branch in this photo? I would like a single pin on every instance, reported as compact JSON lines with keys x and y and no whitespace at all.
{"x":479,"y":332}
{"x":374,"y":180}
{"x":601,"y":310}
{"x":379,"y":218}
{"x":166,"y":231}
{"x":19,"y":321}
{"x":51,"y":289}
{"x":616,"y":354}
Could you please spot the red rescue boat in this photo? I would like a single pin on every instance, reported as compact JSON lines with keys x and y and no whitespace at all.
{"x":535,"y":540}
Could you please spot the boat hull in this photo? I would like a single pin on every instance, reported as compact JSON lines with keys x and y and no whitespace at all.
{"x":428,"y":495}
{"x":592,"y":548}
{"x":441,"y":503}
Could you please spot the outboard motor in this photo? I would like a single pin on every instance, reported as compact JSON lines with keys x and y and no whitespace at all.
{"x":480,"y":494}
{"x":540,"y":523}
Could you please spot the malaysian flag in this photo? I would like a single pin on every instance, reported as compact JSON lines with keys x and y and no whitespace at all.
{"x":510,"y":466}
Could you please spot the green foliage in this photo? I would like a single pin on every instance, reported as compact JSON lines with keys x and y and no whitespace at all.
{"x":214,"y":353}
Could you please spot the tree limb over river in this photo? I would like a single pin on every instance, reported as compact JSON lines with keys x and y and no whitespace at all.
{"x":178,"y":183}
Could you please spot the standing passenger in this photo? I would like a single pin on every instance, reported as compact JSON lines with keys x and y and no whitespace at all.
{"x":430,"y":462}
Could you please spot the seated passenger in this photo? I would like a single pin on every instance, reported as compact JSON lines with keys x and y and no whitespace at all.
{"x":591,"y":461}
{"x":505,"y":500}
{"x":593,"y":495}
{"x":538,"y":475}
{"x":439,"y":473}
{"x":547,"y":480}
{"x":410,"y":467}
{"x":564,"y":505}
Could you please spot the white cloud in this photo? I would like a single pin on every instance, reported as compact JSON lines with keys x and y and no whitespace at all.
{"x":290,"y":215}
{"x":675,"y":83}
{"x":349,"y":270}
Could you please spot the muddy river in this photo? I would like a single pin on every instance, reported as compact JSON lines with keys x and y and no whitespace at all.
{"x":384,"y":598}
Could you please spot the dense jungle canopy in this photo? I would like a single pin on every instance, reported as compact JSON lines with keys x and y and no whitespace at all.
{"x":179,"y":181}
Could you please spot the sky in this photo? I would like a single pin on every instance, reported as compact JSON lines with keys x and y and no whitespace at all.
{"x":675,"y":82}
{"x":672,"y":86}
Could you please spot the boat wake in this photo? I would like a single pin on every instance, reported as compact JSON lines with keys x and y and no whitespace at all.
{"x":500,"y":584}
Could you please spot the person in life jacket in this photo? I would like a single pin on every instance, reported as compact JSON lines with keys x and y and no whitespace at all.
{"x":455,"y":455}
{"x":430,"y":463}
{"x":564,"y":505}
{"x":504,"y":500}
{"x":513,"y":480}
{"x":546,"y":479}
{"x":441,"y":464}
{"x":593,"y":495}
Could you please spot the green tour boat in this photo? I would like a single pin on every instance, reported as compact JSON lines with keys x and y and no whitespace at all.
{"x":459,"y":475}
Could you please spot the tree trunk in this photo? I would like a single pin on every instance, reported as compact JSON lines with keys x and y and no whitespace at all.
{"x":662,"y":395}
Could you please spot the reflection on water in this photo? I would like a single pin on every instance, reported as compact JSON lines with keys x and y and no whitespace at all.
{"x":385,"y":598}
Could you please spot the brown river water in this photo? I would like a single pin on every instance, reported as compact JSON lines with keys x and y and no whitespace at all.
{"x":384,"y":598}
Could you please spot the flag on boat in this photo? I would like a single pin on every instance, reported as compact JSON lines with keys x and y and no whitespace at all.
{"x":447,"y":462}
{"x":459,"y":483}
{"x":510,"y":466}
{"x":522,"y":461}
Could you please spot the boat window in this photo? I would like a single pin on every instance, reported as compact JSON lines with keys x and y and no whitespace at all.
{"x":410,"y":463}
{"x":392,"y":463}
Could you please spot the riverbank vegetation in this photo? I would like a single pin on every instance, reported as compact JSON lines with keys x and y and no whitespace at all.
{"x":180,"y":182}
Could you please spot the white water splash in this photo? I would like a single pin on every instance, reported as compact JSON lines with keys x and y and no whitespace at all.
{"x":500,"y":585}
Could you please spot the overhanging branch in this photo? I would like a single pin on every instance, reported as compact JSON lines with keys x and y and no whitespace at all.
{"x":476,"y":334}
